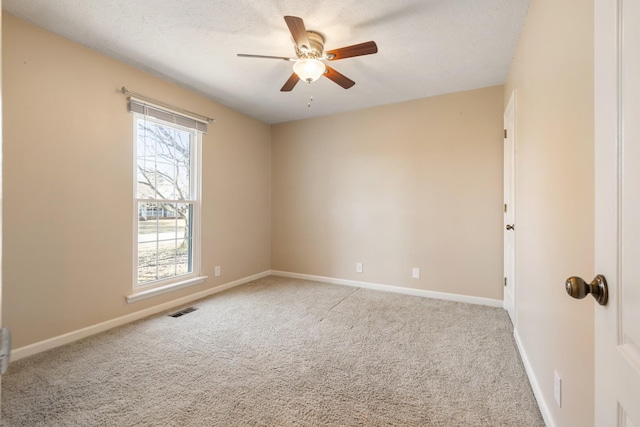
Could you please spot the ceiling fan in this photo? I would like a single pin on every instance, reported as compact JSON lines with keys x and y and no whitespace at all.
{"x":309,"y":47}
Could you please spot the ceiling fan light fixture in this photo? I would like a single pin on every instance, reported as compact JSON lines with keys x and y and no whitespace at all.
{"x":309,"y":49}
{"x":309,"y":69}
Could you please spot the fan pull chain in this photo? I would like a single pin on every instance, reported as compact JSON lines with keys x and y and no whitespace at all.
{"x":310,"y":101}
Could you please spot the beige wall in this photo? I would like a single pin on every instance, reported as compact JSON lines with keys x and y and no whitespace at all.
{"x":552,"y":74}
{"x":68,"y":174}
{"x":415,"y":184}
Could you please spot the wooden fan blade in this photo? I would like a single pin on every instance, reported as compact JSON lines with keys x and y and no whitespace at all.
{"x":246,"y":55}
{"x":341,"y":79}
{"x":366,"y":48}
{"x":291,"y":83}
{"x":298,"y":31}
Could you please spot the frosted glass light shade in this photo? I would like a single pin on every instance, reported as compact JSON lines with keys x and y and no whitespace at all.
{"x":309,"y":70}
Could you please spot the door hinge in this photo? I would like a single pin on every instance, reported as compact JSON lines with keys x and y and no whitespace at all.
{"x":505,"y":281}
{"x":5,"y":349}
{"x":505,"y":134}
{"x":505,"y":207}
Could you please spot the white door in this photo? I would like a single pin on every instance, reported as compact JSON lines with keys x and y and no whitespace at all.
{"x":509,"y":209}
{"x":0,"y":170}
{"x":617,"y":211}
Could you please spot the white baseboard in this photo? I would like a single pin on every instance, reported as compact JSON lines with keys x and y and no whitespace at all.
{"x":67,"y":338}
{"x":397,"y":289}
{"x":535,"y":385}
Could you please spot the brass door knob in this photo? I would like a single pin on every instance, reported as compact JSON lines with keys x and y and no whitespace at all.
{"x":578,"y":288}
{"x":510,"y":227}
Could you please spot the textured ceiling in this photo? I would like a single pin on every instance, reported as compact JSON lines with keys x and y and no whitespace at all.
{"x":426,"y":47}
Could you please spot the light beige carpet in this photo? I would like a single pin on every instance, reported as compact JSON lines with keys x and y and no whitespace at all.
{"x":284,"y":352}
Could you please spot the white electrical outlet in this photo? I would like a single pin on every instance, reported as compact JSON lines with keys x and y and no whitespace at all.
{"x":358,"y":267}
{"x":416,"y":273}
{"x":557,"y":388}
{"x":217,"y":271}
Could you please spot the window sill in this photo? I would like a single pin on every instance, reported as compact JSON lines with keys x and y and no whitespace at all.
{"x":142,"y":295}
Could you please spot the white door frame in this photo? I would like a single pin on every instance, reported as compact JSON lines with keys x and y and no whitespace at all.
{"x":509,"y":235}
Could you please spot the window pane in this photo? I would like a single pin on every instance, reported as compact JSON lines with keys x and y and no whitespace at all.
{"x":146,"y":169}
{"x":167,"y":229}
{"x":183,"y":157}
{"x":147,"y":222}
{"x":185,"y":214}
{"x":164,"y":162}
{"x":147,"y":262}
{"x":166,"y":259}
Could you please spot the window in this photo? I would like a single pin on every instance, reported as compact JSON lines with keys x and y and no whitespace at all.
{"x":167,"y":204}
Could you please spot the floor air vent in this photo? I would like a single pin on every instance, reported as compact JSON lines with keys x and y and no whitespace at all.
{"x":183,"y":312}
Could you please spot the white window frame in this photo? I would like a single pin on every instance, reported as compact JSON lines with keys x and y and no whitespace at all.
{"x":168,"y":284}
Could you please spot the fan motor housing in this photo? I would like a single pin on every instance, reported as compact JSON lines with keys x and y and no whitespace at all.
{"x":316,"y":49}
